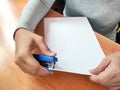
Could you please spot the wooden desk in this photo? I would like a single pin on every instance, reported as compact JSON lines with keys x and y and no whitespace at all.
{"x":12,"y":78}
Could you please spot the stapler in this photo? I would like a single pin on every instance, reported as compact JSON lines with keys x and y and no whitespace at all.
{"x":46,"y":61}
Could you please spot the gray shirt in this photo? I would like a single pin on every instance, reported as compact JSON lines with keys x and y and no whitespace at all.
{"x":103,"y":15}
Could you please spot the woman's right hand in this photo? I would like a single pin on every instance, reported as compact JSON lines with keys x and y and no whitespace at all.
{"x":25,"y":42}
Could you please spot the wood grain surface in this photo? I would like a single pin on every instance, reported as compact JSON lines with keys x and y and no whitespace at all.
{"x":12,"y":78}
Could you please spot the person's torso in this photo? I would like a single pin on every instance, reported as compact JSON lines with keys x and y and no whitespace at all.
{"x":103,"y":15}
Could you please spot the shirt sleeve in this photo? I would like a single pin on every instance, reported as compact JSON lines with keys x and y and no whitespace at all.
{"x":33,"y":12}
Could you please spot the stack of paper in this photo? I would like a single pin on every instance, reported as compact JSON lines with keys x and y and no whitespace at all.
{"x":75,"y":43}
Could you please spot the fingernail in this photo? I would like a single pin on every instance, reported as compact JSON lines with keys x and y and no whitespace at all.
{"x":91,"y":70}
{"x":51,"y":53}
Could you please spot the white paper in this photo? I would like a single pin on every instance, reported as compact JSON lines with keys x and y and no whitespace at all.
{"x":75,"y":43}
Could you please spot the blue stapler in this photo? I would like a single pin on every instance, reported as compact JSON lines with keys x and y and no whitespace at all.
{"x":46,"y":61}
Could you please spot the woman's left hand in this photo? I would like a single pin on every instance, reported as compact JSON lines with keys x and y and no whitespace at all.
{"x":108,"y":72}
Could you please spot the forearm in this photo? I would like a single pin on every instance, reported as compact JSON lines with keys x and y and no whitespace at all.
{"x":33,"y":12}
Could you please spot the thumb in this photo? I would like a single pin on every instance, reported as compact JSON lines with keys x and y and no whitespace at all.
{"x":101,"y":67}
{"x":43,"y":47}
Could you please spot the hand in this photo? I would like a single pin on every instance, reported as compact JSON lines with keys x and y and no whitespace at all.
{"x":25,"y":42}
{"x":108,"y":72}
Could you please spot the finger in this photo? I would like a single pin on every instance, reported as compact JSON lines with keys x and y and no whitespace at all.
{"x":105,"y":78}
{"x":101,"y":67}
{"x":114,"y":87}
{"x":115,"y":84}
{"x":29,"y":65}
{"x":43,"y":47}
